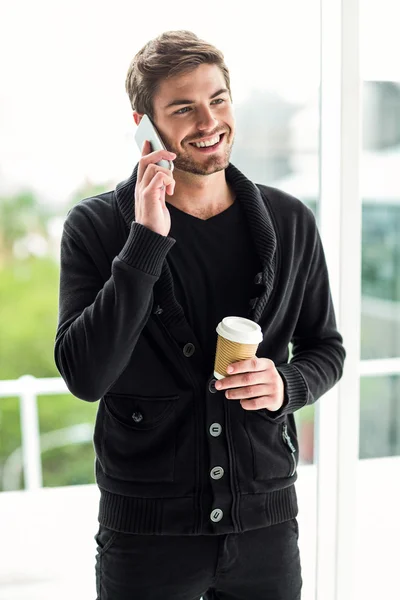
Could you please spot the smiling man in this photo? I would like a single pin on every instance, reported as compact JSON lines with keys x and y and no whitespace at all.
{"x":196,"y":476}
{"x":194,"y":115}
{"x":177,"y":105}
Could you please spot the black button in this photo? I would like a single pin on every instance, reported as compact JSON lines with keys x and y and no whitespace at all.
{"x":258,"y":279}
{"x":158,"y":310}
{"x":137,"y":417}
{"x":188,"y":350}
{"x":253,"y":302}
{"x":211,"y":386}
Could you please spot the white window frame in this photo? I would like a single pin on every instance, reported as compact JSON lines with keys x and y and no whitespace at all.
{"x":338,"y":414}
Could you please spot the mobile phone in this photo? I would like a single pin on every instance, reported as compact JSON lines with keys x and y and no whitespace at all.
{"x":147,"y":131}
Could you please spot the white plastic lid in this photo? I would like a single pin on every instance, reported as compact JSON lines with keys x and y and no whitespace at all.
{"x":240,"y":330}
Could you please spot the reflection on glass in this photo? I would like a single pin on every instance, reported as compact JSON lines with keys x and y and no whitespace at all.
{"x":305,"y":429}
{"x":380,"y":315}
{"x":380,"y":416}
{"x":380,"y":184}
{"x":380,"y":309}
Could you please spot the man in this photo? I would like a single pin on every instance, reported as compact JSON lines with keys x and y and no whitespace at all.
{"x":196,"y":475}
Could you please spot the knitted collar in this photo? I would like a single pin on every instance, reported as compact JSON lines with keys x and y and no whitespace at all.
{"x":261,"y":228}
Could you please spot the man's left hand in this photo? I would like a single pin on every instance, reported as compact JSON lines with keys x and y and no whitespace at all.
{"x":255,"y":382}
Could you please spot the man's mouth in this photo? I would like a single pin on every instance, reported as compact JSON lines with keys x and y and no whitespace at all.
{"x":210,"y":143}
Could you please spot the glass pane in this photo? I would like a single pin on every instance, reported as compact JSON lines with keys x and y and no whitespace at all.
{"x":380,"y":416}
{"x":380,"y":312}
{"x":380,"y":318}
{"x":378,"y":488}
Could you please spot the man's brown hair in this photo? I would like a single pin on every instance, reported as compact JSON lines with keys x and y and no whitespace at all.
{"x":169,"y":54}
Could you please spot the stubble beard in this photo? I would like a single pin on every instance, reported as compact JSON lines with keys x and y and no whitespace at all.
{"x":204,"y":166}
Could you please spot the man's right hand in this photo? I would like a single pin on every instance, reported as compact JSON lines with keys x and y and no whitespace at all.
{"x":152,"y":183}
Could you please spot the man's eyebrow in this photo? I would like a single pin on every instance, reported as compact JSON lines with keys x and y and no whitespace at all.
{"x":181,"y":101}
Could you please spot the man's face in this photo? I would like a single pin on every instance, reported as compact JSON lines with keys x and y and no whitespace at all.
{"x":196,"y":107}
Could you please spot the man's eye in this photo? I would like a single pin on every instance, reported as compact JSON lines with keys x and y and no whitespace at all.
{"x":182,"y":111}
{"x":185,"y":109}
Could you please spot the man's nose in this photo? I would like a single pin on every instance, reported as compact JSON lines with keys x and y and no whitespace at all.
{"x":206,"y":119}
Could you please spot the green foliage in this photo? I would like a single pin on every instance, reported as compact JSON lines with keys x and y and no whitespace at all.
{"x":28,"y":318}
{"x":68,"y":464}
{"x":28,"y":323}
{"x":64,"y":464}
{"x":10,"y":431}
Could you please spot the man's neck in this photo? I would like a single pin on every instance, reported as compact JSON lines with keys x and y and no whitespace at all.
{"x":201,"y":196}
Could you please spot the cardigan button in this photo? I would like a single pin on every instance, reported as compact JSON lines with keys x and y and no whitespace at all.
{"x":158,"y":310}
{"x":216,"y":515}
{"x":188,"y":350}
{"x":258,"y":279}
{"x":215,"y":429}
{"x":216,"y":473}
{"x":137,"y":417}
{"x":211,"y":386}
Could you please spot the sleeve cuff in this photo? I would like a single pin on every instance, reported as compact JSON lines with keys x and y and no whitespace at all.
{"x":146,"y":250}
{"x":295,"y":390}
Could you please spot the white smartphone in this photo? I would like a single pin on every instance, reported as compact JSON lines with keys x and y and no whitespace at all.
{"x":147,"y":131}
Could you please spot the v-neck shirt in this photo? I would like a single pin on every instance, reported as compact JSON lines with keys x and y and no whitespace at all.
{"x":213,"y":265}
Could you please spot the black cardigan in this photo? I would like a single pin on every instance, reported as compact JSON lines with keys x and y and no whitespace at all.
{"x":161,"y":426}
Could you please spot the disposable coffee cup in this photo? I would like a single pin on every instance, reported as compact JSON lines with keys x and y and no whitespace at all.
{"x":238,"y":339}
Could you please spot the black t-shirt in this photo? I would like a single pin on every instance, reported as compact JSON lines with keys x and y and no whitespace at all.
{"x":213,"y":264}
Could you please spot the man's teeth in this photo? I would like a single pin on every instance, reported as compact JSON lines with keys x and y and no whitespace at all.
{"x":212,"y":142}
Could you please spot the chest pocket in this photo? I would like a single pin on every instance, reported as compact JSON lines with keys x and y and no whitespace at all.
{"x":135,"y":437}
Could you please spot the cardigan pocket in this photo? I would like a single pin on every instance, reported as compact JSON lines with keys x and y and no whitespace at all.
{"x":274,"y":447}
{"x":136,"y":438}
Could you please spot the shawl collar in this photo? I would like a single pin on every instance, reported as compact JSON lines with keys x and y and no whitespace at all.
{"x":261,"y":228}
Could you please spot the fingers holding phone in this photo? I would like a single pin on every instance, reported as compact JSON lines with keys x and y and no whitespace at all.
{"x":156,"y":177}
{"x":153,"y":181}
{"x":151,"y":164}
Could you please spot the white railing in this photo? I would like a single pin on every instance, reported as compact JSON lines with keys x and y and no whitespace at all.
{"x":27,"y":388}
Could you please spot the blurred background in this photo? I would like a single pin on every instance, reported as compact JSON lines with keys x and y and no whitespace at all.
{"x":66,"y":133}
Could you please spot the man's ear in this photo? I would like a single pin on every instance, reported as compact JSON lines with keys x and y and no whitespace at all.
{"x":137,"y":117}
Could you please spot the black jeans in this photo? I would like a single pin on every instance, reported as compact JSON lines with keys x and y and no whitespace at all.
{"x":262,"y":564}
